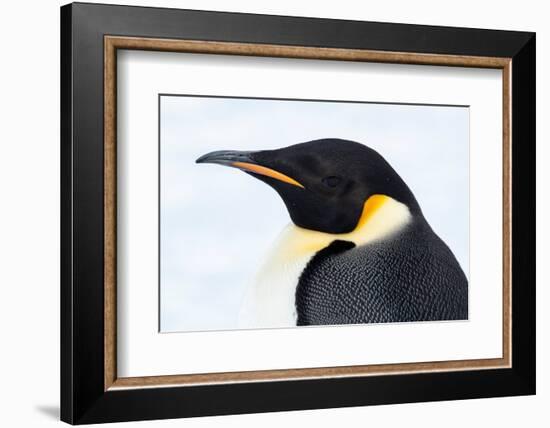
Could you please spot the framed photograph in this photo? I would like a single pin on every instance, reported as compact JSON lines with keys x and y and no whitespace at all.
{"x":264,"y":213}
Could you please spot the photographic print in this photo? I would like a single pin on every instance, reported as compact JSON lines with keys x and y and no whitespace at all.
{"x":279,"y":213}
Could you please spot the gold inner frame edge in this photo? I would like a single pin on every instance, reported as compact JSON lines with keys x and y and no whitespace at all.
{"x":113,"y":43}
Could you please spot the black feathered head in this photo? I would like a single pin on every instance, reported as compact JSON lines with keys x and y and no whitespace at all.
{"x":323,"y":183}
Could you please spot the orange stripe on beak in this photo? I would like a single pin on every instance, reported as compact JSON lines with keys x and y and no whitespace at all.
{"x":268,"y":172}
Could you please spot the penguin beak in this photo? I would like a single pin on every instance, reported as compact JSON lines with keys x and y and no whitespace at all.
{"x":244,"y":161}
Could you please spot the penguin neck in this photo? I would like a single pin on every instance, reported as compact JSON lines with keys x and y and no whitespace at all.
{"x":381,"y":217}
{"x":271,"y":300}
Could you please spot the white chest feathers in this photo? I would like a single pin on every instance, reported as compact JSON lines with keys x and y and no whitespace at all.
{"x":270,"y":298}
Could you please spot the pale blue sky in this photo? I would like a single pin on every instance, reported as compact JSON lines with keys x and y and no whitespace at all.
{"x":218,"y":223}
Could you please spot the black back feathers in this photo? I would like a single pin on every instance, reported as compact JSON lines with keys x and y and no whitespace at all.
{"x":413,"y":276}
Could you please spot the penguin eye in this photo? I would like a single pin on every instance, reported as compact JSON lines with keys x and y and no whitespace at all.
{"x":332,"y":180}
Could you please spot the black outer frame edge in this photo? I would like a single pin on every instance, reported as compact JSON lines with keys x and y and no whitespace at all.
{"x":169,"y":403}
{"x":524,"y":213}
{"x":300,"y":31}
{"x":82,"y":395}
{"x":66,"y":306}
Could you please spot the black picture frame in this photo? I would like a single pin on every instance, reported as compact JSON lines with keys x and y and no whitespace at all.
{"x":83,"y":396}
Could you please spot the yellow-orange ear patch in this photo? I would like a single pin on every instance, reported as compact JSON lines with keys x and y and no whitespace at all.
{"x":268,"y":172}
{"x":371,"y":206}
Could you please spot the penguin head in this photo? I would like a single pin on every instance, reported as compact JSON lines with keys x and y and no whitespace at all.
{"x":325,"y":183}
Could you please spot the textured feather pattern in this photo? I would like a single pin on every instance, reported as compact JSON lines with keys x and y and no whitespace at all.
{"x":410,"y":276}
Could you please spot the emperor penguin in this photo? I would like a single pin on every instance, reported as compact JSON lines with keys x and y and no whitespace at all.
{"x":358,"y":249}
